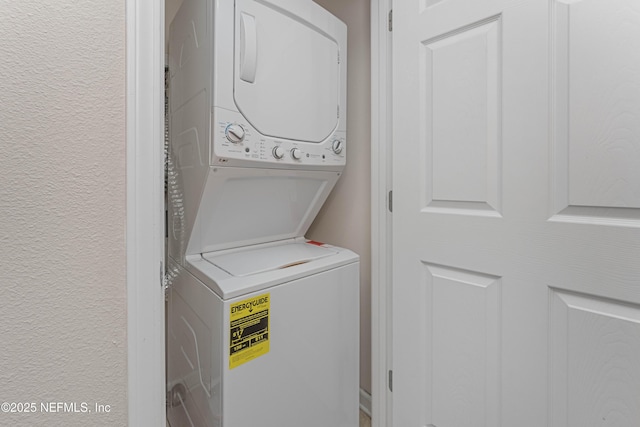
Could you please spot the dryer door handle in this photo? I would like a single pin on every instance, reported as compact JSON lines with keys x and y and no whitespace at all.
{"x":248,"y":48}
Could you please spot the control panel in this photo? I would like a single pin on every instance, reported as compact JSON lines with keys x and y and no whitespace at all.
{"x":235,"y":139}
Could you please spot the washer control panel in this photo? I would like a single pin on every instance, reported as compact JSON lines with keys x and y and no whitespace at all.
{"x":233,"y":138}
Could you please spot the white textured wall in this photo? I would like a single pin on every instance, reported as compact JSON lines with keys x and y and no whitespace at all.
{"x":345,"y":219}
{"x":62,"y":209}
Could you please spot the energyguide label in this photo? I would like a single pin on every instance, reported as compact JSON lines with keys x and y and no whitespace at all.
{"x":249,"y":330}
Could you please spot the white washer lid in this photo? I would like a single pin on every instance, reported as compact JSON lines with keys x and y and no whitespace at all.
{"x":240,"y":207}
{"x":253,"y":261}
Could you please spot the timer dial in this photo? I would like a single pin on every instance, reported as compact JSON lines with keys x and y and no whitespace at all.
{"x":234,"y":133}
{"x":337,"y":146}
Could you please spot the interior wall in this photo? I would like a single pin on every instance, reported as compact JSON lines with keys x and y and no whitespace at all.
{"x":345,"y":219}
{"x":63,"y":211}
{"x":170,"y":9}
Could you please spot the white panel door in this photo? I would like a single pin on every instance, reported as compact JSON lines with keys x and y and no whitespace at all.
{"x":516,"y":251}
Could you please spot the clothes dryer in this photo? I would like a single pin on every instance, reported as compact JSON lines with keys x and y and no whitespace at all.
{"x":256,"y":87}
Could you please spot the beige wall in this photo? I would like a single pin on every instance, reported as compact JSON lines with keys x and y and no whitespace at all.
{"x":345,"y":219}
{"x":170,"y":9}
{"x":62,"y":209}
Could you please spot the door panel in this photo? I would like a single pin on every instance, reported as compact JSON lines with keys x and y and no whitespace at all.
{"x":516,"y":286}
{"x":596,"y":91}
{"x":459,"y":78}
{"x":595,"y":345}
{"x":464,"y":324}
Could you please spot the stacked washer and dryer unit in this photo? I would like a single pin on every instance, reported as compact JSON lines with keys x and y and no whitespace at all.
{"x":262,"y":323}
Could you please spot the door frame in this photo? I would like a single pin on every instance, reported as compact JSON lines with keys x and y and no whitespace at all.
{"x":381,"y":186}
{"x":145,"y":212}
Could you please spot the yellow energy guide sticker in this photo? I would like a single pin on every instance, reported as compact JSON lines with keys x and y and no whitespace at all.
{"x":249,"y":330}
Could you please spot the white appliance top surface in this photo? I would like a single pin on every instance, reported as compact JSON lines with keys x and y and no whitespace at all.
{"x":234,"y":272}
{"x":253,"y":261}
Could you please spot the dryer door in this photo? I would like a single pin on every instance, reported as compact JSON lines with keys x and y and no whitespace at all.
{"x":287,"y":68}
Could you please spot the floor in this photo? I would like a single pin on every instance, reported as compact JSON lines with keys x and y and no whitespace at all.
{"x":365,"y":421}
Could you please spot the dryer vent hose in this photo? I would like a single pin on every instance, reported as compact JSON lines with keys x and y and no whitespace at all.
{"x":174,"y":196}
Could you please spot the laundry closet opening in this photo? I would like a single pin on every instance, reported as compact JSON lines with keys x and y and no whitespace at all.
{"x":293,"y":218}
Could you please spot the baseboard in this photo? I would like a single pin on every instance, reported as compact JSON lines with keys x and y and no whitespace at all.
{"x":365,"y":402}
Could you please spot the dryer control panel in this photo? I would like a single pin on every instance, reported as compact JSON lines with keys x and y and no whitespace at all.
{"x":234,"y":139}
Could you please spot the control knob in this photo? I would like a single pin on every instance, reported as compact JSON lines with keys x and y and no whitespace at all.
{"x":278,"y":152}
{"x":296,"y":153}
{"x":234,"y":133}
{"x":337,"y":146}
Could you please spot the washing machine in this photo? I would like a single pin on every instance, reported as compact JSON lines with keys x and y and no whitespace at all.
{"x":262,"y":323}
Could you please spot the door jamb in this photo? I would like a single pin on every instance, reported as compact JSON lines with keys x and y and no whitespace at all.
{"x":145,"y":212}
{"x":381,"y":185}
